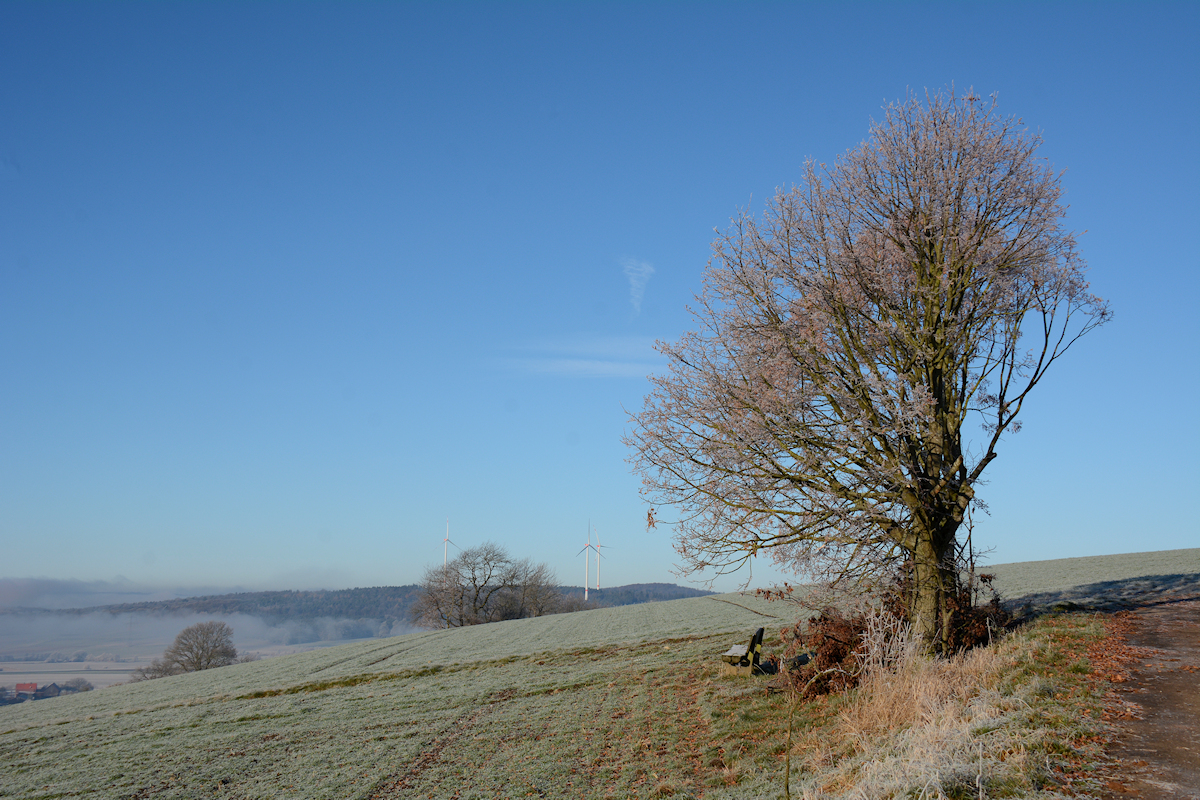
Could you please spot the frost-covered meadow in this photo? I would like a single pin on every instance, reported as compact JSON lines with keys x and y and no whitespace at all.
{"x":617,"y":702}
{"x":337,"y":722}
{"x":1099,"y":580}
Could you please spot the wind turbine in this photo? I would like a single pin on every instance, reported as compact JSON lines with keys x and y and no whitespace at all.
{"x":586,"y":557}
{"x":599,"y":556}
{"x":446,"y":545}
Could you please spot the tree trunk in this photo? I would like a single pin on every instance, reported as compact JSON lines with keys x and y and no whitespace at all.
{"x":932,"y":584}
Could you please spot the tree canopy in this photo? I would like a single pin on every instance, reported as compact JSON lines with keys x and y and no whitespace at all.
{"x":485,"y":584}
{"x":861,"y":349}
{"x":204,"y":645}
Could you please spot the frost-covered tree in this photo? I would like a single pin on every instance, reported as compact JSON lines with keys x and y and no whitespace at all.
{"x":485,"y":584}
{"x":860,"y":351}
{"x":204,"y":645}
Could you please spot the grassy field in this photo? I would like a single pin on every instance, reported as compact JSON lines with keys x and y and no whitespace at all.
{"x":1099,"y":581}
{"x":619,"y":702}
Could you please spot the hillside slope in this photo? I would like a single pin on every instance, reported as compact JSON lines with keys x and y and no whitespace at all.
{"x":1099,"y":582}
{"x":602,"y":703}
{"x":598,"y":628}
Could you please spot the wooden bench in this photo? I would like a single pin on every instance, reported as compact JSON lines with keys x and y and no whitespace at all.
{"x":743,"y":659}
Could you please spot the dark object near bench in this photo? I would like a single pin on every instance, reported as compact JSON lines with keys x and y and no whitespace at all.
{"x":796,"y":662}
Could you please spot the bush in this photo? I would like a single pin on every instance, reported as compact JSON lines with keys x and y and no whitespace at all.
{"x":836,"y":648}
{"x":821,"y":656}
{"x":972,"y":623}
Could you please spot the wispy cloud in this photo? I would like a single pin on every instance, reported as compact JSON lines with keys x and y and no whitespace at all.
{"x":638,"y":273}
{"x":589,"y":357}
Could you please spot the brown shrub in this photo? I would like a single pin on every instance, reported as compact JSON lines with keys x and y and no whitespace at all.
{"x":830,"y":652}
{"x":973,"y":623}
{"x":822,"y":653}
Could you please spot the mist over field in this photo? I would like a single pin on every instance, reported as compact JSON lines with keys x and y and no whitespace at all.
{"x":68,"y":636}
{"x":54,"y":593}
{"x":101,"y":636}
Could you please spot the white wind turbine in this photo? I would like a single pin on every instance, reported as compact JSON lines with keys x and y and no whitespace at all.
{"x":586,"y":557}
{"x":599,"y":556}
{"x":446,"y":545}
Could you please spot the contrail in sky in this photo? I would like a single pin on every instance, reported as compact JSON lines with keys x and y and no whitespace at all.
{"x":638,"y":273}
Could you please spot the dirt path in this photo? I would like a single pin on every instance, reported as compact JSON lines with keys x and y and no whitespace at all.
{"x":1158,"y":744}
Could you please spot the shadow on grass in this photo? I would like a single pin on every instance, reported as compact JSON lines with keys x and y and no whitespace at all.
{"x":1109,"y":596}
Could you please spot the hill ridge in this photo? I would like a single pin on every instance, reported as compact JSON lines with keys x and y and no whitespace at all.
{"x":373,"y":602}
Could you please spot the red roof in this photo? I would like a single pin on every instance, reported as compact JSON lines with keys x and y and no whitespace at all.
{"x":26,"y":687}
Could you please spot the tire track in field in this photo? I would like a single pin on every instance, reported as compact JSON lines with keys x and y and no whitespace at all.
{"x":395,"y":786}
{"x":396,"y":649}
{"x":748,"y":608}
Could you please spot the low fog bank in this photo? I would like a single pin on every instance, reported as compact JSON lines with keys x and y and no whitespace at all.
{"x":53,"y":593}
{"x":104,"y":637}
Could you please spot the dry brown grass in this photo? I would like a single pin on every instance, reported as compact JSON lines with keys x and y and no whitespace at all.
{"x":987,"y":723}
{"x":921,"y":692}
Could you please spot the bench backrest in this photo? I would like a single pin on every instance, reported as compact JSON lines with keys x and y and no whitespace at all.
{"x":755,"y":649}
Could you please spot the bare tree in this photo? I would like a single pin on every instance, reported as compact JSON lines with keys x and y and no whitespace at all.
{"x":532,"y":591}
{"x":862,"y":349}
{"x":484,"y":584}
{"x":439,"y":603}
{"x":204,"y":645}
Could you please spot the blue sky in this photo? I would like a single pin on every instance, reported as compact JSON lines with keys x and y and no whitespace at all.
{"x":284,"y":286}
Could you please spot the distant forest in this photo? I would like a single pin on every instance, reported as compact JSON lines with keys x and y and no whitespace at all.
{"x":379,"y":602}
{"x":635,"y":593}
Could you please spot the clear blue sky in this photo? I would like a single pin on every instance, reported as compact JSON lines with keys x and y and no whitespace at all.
{"x":284,"y":286}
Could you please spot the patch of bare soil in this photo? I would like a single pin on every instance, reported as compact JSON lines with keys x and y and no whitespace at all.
{"x":1156,"y":702}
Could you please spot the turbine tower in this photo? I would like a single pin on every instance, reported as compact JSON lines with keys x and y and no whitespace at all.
{"x":586,"y":557}
{"x":446,"y":545}
{"x":599,"y":555}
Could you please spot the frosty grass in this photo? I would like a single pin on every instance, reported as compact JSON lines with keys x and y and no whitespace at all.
{"x":596,"y":704}
{"x":334,"y":723}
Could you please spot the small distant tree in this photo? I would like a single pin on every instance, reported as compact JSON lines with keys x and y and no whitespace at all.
{"x":79,"y":685}
{"x":158,"y":668}
{"x":484,"y":584}
{"x":204,"y":645}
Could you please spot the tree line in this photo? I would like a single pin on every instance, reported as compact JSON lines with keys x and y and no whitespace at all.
{"x":367,"y":607}
{"x":373,"y":602}
{"x":634,"y":593}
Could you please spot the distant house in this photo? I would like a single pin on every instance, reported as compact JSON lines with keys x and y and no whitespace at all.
{"x":26,"y":687}
{"x":52,"y":690}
